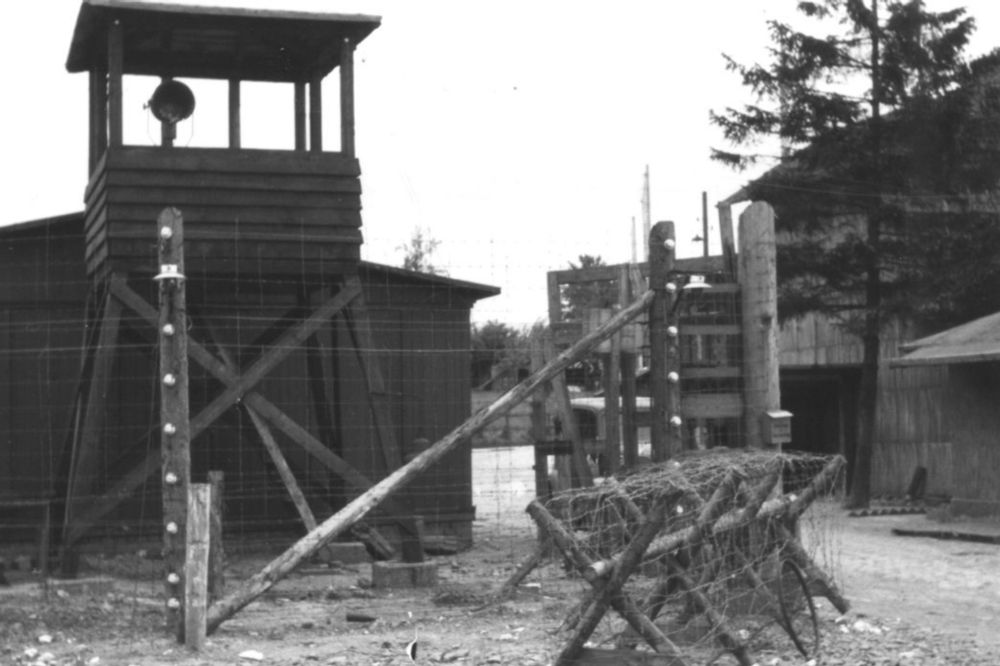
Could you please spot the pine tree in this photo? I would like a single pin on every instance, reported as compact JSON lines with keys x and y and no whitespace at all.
{"x":872,"y":119}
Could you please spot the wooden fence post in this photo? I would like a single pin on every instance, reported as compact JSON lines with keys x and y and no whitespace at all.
{"x":175,"y":432}
{"x":758,"y":285}
{"x":665,"y":429}
{"x":216,"y":550}
{"x":199,"y":527}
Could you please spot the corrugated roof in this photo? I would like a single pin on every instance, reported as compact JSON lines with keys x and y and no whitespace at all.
{"x":972,"y":342}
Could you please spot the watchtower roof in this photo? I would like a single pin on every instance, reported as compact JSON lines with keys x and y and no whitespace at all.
{"x":215,"y":42}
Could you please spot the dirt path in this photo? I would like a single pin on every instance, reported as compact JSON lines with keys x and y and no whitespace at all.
{"x":950,"y":587}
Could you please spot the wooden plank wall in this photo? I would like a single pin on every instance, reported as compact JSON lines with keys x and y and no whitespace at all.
{"x":971,"y":407}
{"x":255,"y":212}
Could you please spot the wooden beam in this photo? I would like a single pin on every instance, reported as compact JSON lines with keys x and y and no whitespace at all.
{"x":728,"y":240}
{"x":198,"y":532}
{"x":560,"y":394}
{"x":347,"y":97}
{"x":89,"y":437}
{"x":284,"y":471}
{"x":626,"y":372}
{"x":115,"y":63}
{"x":235,"y":128}
{"x":758,"y":278}
{"x":279,"y":351}
{"x":98,"y":114}
{"x":216,"y":548}
{"x":300,"y":115}
{"x":316,"y":113}
{"x":362,"y":505}
{"x":175,"y":427}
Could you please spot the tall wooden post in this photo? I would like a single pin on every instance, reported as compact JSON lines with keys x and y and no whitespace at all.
{"x":316,"y":113}
{"x":300,"y":115}
{"x":347,"y":97}
{"x":665,"y":429}
{"x":115,"y":61}
{"x":758,"y":280}
{"x":627,"y":369}
{"x":216,"y":549}
{"x":175,"y":433}
{"x":235,"y":131}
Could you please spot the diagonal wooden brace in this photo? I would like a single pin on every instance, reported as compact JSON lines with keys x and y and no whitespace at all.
{"x":621,"y":602}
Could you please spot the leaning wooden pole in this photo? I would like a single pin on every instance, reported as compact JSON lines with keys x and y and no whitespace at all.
{"x":362,"y":505}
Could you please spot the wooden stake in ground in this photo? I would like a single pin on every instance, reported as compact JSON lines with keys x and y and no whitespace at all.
{"x":196,"y":565}
{"x":362,"y":505}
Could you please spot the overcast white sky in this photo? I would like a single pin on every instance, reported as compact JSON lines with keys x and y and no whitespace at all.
{"x":516,"y":132}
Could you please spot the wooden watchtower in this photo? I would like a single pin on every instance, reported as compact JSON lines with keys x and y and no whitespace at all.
{"x":278,"y":231}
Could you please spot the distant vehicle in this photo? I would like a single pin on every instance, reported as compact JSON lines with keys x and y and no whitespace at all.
{"x":590,"y":412}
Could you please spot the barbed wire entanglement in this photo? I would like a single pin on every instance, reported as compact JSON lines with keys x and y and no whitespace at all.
{"x":713,"y":553}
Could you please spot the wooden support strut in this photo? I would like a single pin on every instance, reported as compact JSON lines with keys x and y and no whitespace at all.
{"x":602,"y":595}
{"x":622,"y":603}
{"x":264,"y":407}
{"x":377,"y":494}
{"x":236,"y":387}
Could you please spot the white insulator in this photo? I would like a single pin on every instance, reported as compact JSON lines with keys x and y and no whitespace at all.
{"x":673,"y":377}
{"x":672,"y":287}
{"x":169,"y":428}
{"x":173,"y":578}
{"x":672,"y":331}
{"x":166,"y":233}
{"x":172,"y":527}
{"x":170,"y":478}
{"x":173,"y":602}
{"x":675,"y":421}
{"x":669,"y":243}
{"x":169,"y":379}
{"x":168,"y":330}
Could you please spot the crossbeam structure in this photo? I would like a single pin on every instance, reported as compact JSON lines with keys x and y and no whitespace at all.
{"x":124,"y":306}
{"x":682,"y":556}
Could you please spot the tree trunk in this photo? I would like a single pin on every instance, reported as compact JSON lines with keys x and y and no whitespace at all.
{"x":868,"y":398}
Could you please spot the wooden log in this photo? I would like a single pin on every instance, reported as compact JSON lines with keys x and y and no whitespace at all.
{"x":362,"y":505}
{"x":175,"y":426}
{"x":622,"y":603}
{"x":216,"y":548}
{"x":602,"y":595}
{"x":284,"y":471}
{"x":196,"y":564}
{"x":759,"y":293}
{"x":708,"y":514}
{"x":528,"y":565}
